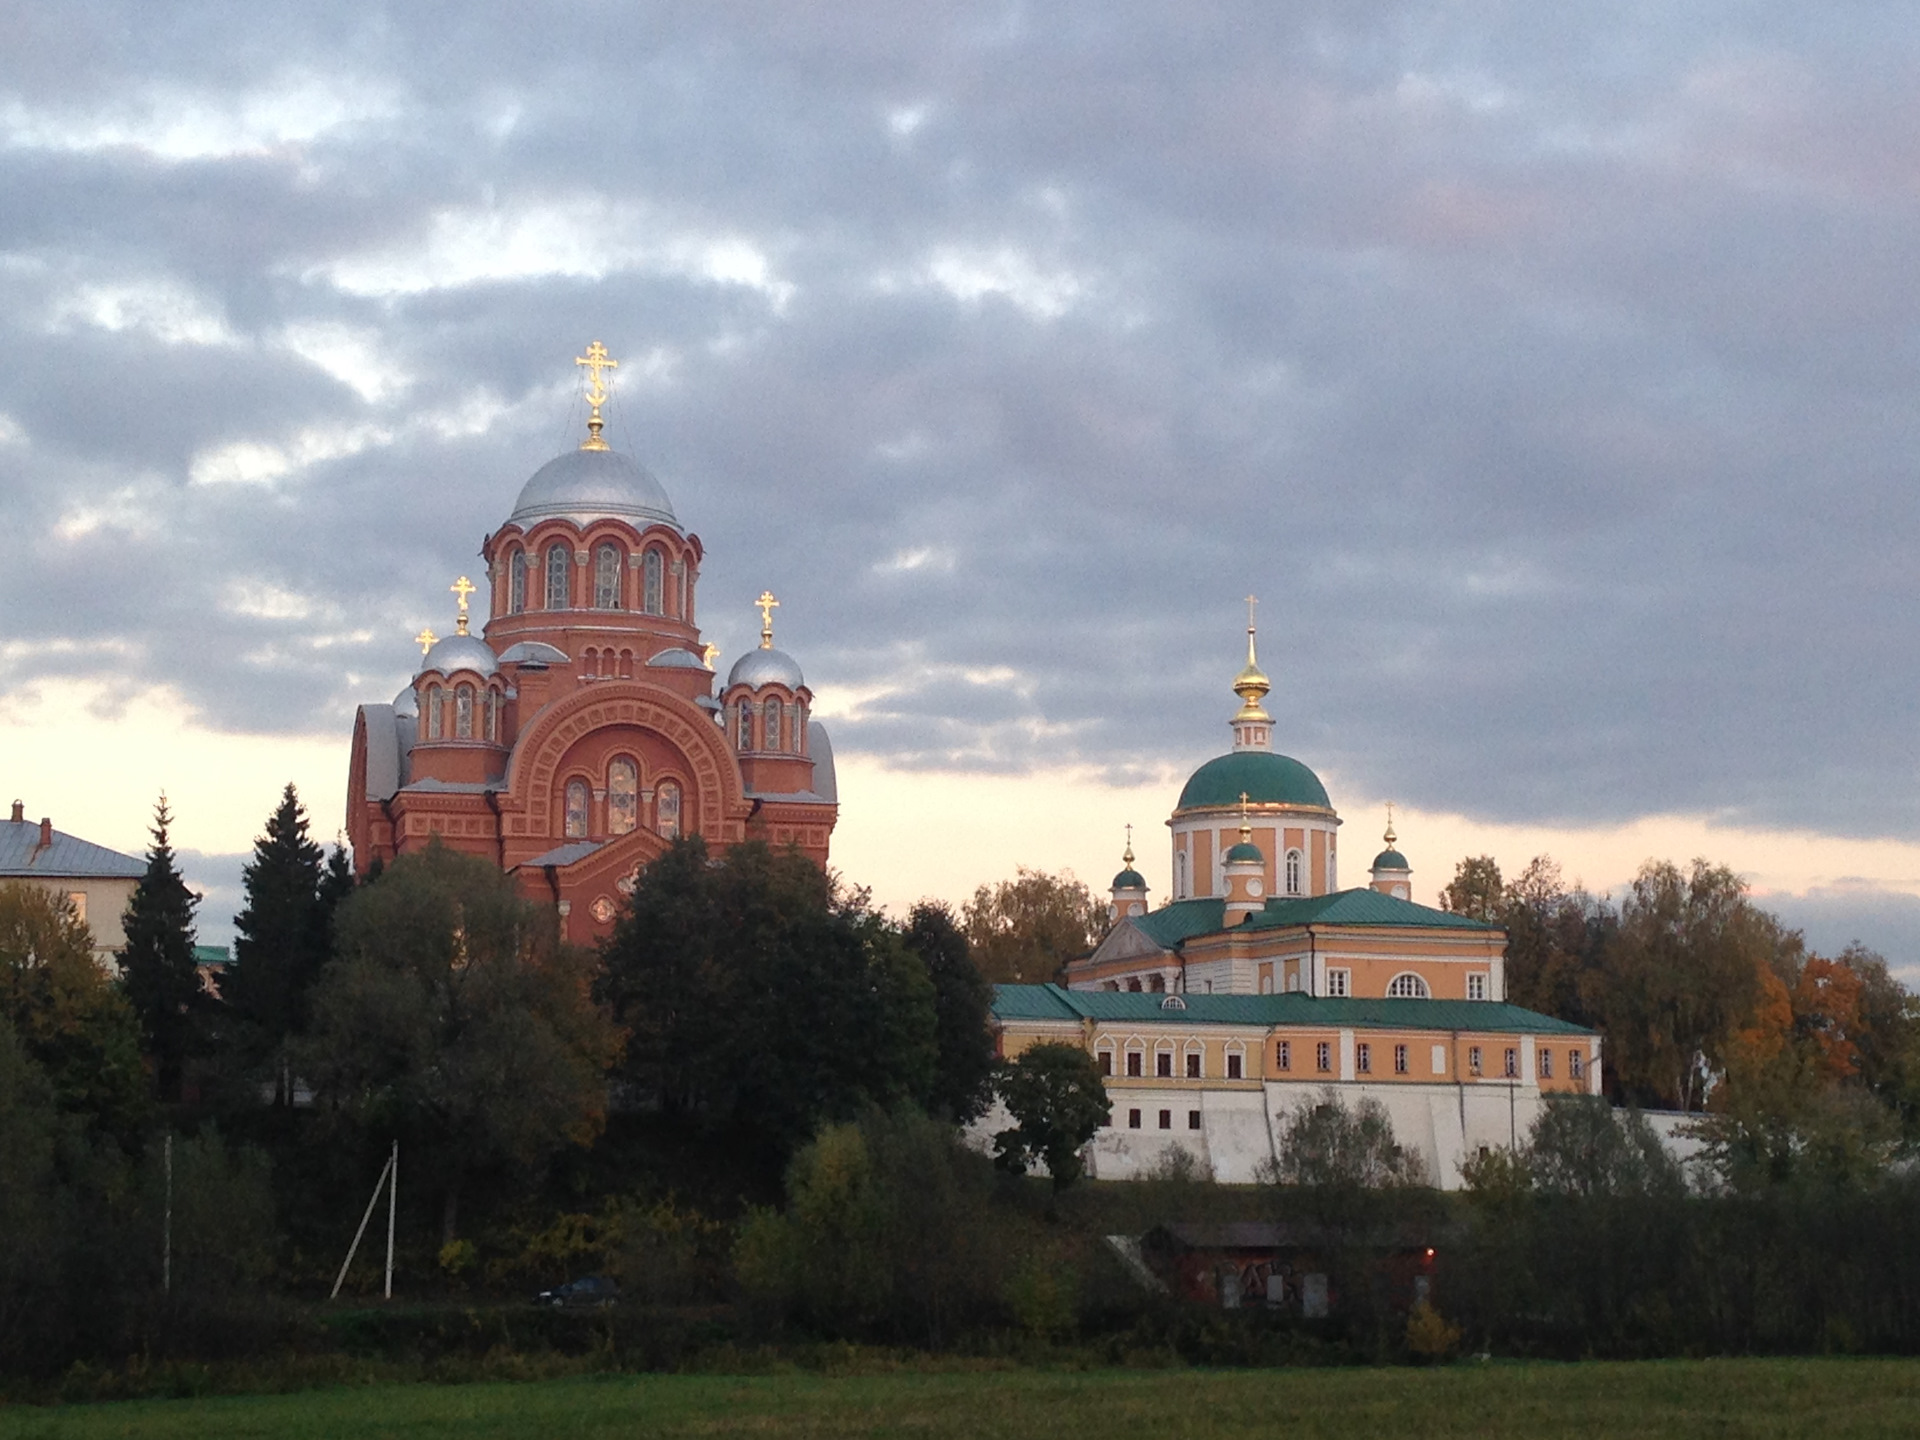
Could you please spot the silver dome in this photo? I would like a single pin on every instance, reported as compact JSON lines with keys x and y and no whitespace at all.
{"x":460,"y":652}
{"x":766,"y":667}
{"x":407,"y":703}
{"x":584,"y":485}
{"x":674,"y":658}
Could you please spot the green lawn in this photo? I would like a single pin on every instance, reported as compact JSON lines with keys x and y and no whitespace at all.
{"x":1677,"y":1398}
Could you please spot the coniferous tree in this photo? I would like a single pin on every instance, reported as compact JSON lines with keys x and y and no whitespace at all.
{"x":156,"y":963}
{"x":281,"y":939}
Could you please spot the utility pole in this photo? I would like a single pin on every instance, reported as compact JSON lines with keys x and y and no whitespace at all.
{"x":393,"y":1200}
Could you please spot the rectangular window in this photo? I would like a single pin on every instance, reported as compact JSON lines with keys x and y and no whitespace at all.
{"x":1473,"y":1060}
{"x":1233,"y":1067}
{"x":1193,"y":1119}
{"x":1476,"y":985}
{"x":1576,"y":1064}
{"x":1363,"y":1058}
{"x":1133,"y":1063}
{"x":1513,"y":1063}
{"x":1323,"y":1057}
{"x":1339,"y":982}
{"x":1546,"y":1063}
{"x":1166,"y":1119}
{"x":1399,"y":1059}
{"x":1193,"y":1065}
{"x":1133,"y":1119}
{"x":1106,"y":1062}
{"x":1163,"y":1064}
{"x":1283,"y":1055}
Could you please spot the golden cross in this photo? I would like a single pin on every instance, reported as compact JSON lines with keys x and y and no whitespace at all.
{"x":425,"y":640}
{"x":596,"y":359}
{"x":1246,"y":825}
{"x":462,"y":588}
{"x":767,"y":605}
{"x":1128,"y":857}
{"x":1390,"y":837}
{"x":710,"y":654}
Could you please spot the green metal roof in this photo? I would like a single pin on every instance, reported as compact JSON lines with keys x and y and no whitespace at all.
{"x":1051,"y":1002}
{"x":1390,"y":860}
{"x":1129,"y":880}
{"x":1173,"y":925}
{"x":1266,"y":779}
{"x":1182,"y":920}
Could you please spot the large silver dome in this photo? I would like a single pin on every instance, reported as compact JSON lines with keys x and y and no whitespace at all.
{"x":460,"y":652}
{"x":766,"y":667}
{"x":584,"y":485}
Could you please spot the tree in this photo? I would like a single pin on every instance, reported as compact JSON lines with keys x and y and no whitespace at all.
{"x":1058,"y":1103}
{"x":1326,"y":1146}
{"x":281,"y":939}
{"x":759,"y":998}
{"x":157,"y":966}
{"x":1476,"y":890}
{"x":962,"y":1006}
{"x":453,"y":1019}
{"x":1025,"y":930}
{"x":1580,"y":1145}
{"x":70,"y":1019}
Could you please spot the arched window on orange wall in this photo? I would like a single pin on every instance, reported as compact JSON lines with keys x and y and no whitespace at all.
{"x":1408,"y":986}
{"x":517,"y":581}
{"x":666,"y":805}
{"x":436,"y":712}
{"x":743,"y":732}
{"x":623,"y":796}
{"x":576,"y":819}
{"x":607,"y":562}
{"x":493,"y":715}
{"x":1296,"y":872}
{"x":770,"y":734}
{"x":463,"y":713}
{"x":651,"y":589}
{"x":559,"y":595}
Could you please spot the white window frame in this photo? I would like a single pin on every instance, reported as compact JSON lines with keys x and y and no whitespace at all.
{"x":1420,"y":989}
{"x":1296,"y":873}
{"x":1477,"y":985}
{"x":1339,"y":983}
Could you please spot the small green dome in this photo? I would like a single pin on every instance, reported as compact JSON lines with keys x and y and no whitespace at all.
{"x":1244,"y":851}
{"x":1267,"y":779}
{"x":1391,"y":860}
{"x":1129,"y":880}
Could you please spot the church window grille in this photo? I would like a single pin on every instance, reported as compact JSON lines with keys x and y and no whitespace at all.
{"x":1323,"y":1057}
{"x":799,"y":729}
{"x":436,"y":712}
{"x":1363,"y":1058}
{"x":1474,"y":1064}
{"x":517,"y":582}
{"x":493,"y":715}
{"x":1477,"y":985}
{"x":1513,"y":1063}
{"x":771,"y":733}
{"x":1399,"y":1059}
{"x":606,"y":577}
{"x":666,"y":807}
{"x":623,"y":797}
{"x":651,"y":598}
{"x":1295,"y":865}
{"x":1546,"y":1063}
{"x":463,"y":713}
{"x":1283,"y":1055}
{"x":1135,"y":1062}
{"x":1339,"y":982}
{"x":559,"y":557}
{"x":1576,"y":1064}
{"x":1233,"y":1067}
{"x":1408,"y":986}
{"x":1193,"y":1065}
{"x":576,"y":823}
{"x":1163,"y":1065}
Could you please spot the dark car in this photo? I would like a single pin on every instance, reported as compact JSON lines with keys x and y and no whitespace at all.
{"x":589,"y":1290}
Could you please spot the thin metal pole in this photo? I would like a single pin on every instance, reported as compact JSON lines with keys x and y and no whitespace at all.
{"x":372,"y":1200}
{"x":393,"y":1200}
{"x":166,"y":1243}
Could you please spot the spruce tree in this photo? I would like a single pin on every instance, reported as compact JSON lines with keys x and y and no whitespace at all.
{"x":156,"y":963}
{"x":281,"y":938}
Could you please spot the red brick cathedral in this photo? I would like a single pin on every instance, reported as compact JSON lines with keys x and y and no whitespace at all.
{"x":579,"y":731}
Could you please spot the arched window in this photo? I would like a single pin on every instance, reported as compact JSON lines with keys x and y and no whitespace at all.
{"x":623,"y":797}
{"x":559,"y":556}
{"x":517,"y":582}
{"x":770,"y":734}
{"x":1408,"y":986}
{"x":666,"y":804}
{"x":1296,"y":866}
{"x":576,"y":824}
{"x":606,"y":577}
{"x":744,"y":725}
{"x":799,"y":729}
{"x":436,"y":713}
{"x":463,"y":713}
{"x":650,"y":588}
{"x":493,"y":715}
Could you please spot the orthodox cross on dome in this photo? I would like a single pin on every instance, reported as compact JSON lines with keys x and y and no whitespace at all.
{"x":1390,"y":837}
{"x":1128,"y":857}
{"x":767,"y":605}
{"x":710,"y":654}
{"x":1246,"y":825}
{"x":596,"y":359}
{"x":426,"y":640}
{"x":462,"y":588}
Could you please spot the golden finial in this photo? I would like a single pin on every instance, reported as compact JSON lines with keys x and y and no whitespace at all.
{"x":1246,"y":825}
{"x":1391,"y":838}
{"x":767,"y":605}
{"x":596,"y":359}
{"x":1127,"y":858}
{"x":426,"y":640}
{"x":710,"y":654}
{"x":462,"y":588}
{"x":1251,"y":684}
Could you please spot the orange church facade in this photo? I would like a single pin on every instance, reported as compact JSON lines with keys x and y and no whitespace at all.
{"x":580,"y":731}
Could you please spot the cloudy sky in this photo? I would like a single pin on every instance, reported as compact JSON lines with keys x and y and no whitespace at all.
{"x":1550,"y":376}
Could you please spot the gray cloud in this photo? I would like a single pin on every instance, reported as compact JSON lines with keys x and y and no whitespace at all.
{"x":1550,"y":377}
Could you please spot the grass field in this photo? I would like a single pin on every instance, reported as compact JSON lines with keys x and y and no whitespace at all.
{"x":1664,"y":1398}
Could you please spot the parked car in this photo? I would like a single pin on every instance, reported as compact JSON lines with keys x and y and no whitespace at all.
{"x":589,"y":1290}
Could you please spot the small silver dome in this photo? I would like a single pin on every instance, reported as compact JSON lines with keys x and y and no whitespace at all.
{"x":766,"y":667}
{"x":677,"y":659}
{"x":460,"y":652}
{"x":584,"y":485}
{"x":407,"y":703}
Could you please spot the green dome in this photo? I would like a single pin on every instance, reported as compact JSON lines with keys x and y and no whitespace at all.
{"x":1129,"y":880}
{"x":1244,"y":851}
{"x":1267,"y":779}
{"x":1390,"y":860}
